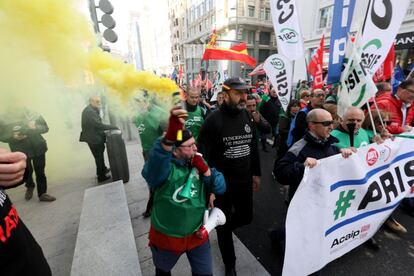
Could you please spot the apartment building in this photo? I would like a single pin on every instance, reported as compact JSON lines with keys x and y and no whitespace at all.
{"x":235,"y":21}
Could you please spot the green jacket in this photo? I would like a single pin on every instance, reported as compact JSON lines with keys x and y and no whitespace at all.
{"x":195,"y":120}
{"x":150,"y":126}
{"x":361,"y":138}
{"x":173,"y":214}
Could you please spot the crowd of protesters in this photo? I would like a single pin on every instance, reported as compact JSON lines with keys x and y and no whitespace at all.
{"x":209,"y":148}
{"x":230,"y":125}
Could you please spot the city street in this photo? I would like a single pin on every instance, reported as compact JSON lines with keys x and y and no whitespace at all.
{"x":395,"y":257}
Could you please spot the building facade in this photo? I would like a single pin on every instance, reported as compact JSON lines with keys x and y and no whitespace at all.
{"x":235,"y":21}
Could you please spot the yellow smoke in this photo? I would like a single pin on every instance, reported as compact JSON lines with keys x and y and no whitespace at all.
{"x":123,"y":78}
{"x":46,"y":47}
{"x":54,"y":30}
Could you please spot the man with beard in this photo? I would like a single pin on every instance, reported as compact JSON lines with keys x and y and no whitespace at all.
{"x":229,"y":143}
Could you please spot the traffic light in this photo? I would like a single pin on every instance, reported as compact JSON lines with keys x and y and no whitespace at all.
{"x":107,"y":20}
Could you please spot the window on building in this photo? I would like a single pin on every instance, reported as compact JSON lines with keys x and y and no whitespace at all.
{"x":199,"y":27}
{"x":264,"y":38}
{"x":250,"y":37}
{"x":262,"y":13}
{"x":263,"y":54}
{"x":267,"y":14}
{"x":176,"y":22}
{"x":326,"y":14}
{"x":178,"y":34}
{"x":251,"y":11}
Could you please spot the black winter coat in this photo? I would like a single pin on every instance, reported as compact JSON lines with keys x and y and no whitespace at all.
{"x":270,"y":111}
{"x":289,"y":170}
{"x":34,"y":144}
{"x":92,"y":127}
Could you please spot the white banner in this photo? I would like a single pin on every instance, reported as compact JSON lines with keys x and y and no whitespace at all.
{"x":341,"y":203}
{"x":279,"y":71}
{"x":382,"y":22}
{"x":286,"y":24}
{"x":357,"y":86}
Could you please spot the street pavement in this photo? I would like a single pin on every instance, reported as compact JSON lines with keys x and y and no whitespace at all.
{"x":395,"y":257}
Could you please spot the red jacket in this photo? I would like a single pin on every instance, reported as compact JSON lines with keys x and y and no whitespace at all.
{"x":393,"y":105}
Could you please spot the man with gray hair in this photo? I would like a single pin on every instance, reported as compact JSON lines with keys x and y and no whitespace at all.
{"x":351,"y":123}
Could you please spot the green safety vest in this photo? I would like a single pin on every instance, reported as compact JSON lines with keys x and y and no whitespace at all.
{"x":194,"y":122}
{"x":174,"y":215}
{"x":361,"y":139}
{"x":148,"y":125}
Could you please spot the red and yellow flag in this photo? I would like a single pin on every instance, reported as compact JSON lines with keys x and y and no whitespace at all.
{"x":237,"y":52}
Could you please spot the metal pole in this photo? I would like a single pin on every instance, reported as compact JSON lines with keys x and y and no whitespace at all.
{"x":94,"y":16}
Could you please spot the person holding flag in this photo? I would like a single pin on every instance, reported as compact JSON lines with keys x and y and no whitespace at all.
{"x":399,"y":105}
{"x":176,"y":219}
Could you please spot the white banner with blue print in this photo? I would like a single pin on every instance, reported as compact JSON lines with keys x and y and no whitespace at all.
{"x":341,"y":203}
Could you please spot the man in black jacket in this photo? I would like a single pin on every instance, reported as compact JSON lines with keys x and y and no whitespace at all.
{"x":93,"y":134}
{"x":262,"y":125}
{"x":229,"y":143}
{"x":23,"y":131}
{"x":270,"y":111}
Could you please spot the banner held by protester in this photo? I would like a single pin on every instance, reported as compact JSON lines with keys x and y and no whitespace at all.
{"x":315,"y":67}
{"x":279,"y":71}
{"x":333,"y":213}
{"x":382,"y":22}
{"x":343,"y":11}
{"x":357,"y":86}
{"x":286,"y":24}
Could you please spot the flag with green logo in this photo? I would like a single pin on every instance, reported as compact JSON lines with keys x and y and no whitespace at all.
{"x":287,"y":28}
{"x":382,"y":22}
{"x":357,"y":86}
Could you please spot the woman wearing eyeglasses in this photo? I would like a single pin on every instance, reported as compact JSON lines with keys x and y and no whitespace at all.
{"x":382,"y":132}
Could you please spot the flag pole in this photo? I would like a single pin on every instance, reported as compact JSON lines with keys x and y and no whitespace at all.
{"x":379,"y":114}
{"x":372,"y":121}
{"x":291,"y":81}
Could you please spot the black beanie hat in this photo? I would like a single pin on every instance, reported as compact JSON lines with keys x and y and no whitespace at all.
{"x":186,"y":136}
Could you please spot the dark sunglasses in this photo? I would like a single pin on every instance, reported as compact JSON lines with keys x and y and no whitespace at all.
{"x":387,"y":122}
{"x":324,"y":123}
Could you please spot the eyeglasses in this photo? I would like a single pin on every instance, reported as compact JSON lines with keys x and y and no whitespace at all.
{"x":188,"y":146}
{"x":319,"y":95}
{"x":409,"y":90}
{"x":324,"y":123}
{"x":387,"y":123}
